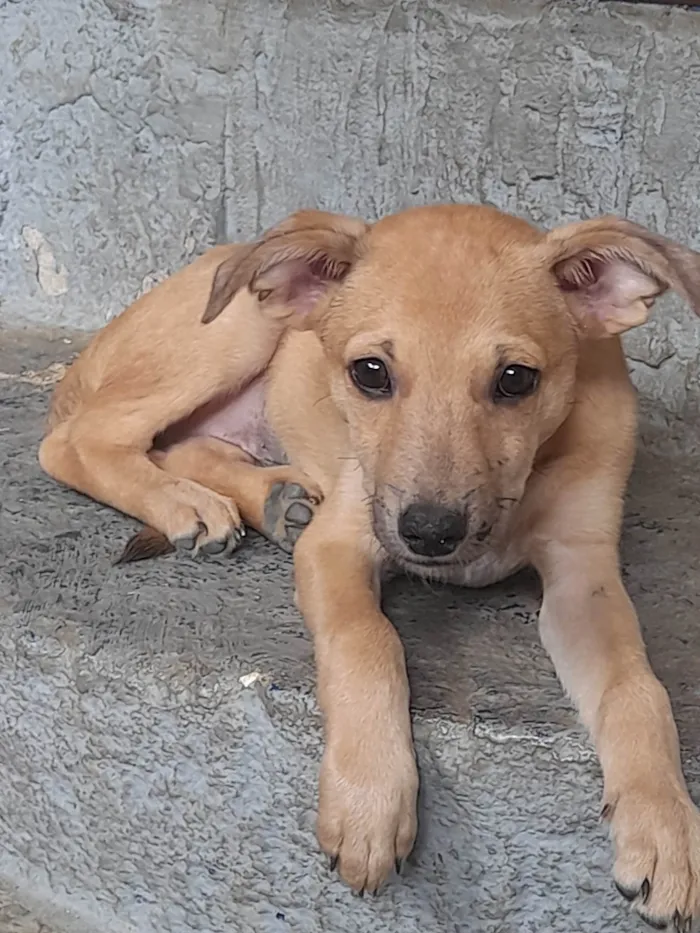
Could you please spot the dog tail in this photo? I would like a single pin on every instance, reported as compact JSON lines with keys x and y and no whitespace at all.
{"x":144,"y":545}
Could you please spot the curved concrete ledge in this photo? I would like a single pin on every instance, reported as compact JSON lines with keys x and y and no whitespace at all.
{"x":159,"y":740}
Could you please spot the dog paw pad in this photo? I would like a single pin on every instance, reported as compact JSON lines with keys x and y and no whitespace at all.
{"x":288,"y":510}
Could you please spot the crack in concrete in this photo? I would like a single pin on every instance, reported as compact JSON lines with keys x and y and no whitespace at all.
{"x":655,"y":365}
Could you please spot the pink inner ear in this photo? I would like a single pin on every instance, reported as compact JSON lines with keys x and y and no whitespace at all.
{"x":301,"y":283}
{"x":613,"y":291}
{"x":623,"y":284}
{"x":304,"y":292}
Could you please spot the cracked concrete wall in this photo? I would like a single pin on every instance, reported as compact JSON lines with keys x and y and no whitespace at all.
{"x":134,"y":133}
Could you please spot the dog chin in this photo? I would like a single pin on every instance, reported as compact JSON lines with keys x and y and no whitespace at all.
{"x":425,"y":567}
{"x":433,"y":569}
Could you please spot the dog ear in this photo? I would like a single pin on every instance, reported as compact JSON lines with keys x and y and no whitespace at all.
{"x":291,"y":265}
{"x":612,"y":270}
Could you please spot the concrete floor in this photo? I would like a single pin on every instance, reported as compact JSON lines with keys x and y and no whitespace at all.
{"x":160,"y":743}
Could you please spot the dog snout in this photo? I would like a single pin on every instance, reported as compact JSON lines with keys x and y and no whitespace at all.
{"x":431,"y":530}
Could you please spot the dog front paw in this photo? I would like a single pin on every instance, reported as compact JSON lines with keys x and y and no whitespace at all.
{"x":367,"y":811}
{"x":289,"y":508}
{"x":656,"y":833}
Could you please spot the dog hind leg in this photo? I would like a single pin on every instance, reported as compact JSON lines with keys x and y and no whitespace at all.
{"x":98,"y":453}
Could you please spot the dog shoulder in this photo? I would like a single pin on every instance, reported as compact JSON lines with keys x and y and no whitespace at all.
{"x":599,"y":434}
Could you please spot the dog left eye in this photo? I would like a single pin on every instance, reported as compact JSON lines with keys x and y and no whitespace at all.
{"x":371,"y":377}
{"x":516,"y":381}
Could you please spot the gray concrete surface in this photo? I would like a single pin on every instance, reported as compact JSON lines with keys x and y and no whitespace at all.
{"x":148,"y":786}
{"x":133,"y":133}
{"x":159,"y":742}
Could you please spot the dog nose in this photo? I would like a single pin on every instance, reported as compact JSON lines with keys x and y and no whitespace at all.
{"x":432,"y":530}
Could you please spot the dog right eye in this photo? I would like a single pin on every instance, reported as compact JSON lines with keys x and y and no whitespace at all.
{"x":515,"y":382}
{"x":371,"y":376}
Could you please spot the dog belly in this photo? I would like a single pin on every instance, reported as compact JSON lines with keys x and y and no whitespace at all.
{"x":238,"y":420}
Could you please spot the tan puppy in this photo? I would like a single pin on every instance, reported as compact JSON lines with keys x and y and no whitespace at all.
{"x":456,"y":407}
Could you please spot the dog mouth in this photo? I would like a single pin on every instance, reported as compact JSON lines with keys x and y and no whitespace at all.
{"x":415,"y":561}
{"x":425,"y":567}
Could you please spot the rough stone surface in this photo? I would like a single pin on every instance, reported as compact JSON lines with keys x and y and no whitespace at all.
{"x":134,"y":133}
{"x":146,"y":789}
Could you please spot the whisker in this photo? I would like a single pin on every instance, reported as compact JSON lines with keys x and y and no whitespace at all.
{"x":428,"y":583}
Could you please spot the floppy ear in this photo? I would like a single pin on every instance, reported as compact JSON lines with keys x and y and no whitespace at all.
{"x":612,"y":270}
{"x":291,"y":265}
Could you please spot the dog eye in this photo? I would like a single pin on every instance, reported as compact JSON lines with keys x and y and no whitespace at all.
{"x":516,"y":381}
{"x":371,"y":377}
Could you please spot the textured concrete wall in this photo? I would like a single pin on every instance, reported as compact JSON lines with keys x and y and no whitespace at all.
{"x":133,"y":133}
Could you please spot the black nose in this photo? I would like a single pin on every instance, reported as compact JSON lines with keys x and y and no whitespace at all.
{"x":432,"y":530}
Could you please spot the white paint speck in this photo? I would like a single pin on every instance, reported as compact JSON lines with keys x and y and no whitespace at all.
{"x":149,"y":282}
{"x":249,"y":679}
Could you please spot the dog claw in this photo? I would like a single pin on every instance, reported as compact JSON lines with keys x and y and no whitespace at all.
{"x":607,"y":812}
{"x":333,"y":863}
{"x":629,"y":894}
{"x":645,"y":890}
{"x":398,"y":864}
{"x":224,"y":546}
{"x":189,"y":542}
{"x":653,"y":922}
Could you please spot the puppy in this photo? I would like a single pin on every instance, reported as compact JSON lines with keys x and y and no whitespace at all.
{"x":449,"y":385}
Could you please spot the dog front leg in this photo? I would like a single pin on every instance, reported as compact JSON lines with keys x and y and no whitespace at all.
{"x":369,"y":780}
{"x":590,"y":628}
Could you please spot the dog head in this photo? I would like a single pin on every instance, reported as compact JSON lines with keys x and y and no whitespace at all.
{"x":451,"y":337}
{"x":452,"y":347}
